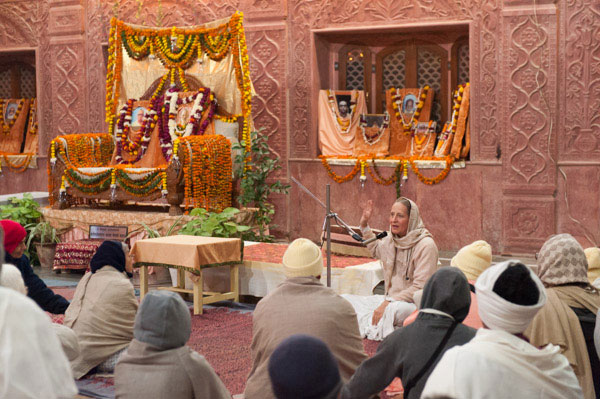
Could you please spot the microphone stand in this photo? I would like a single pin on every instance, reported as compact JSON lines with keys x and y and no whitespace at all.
{"x":329,"y":214}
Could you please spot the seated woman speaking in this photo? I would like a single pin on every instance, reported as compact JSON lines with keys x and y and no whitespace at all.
{"x":409,"y":257}
{"x":103,"y":310}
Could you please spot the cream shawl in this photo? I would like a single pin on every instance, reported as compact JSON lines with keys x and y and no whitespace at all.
{"x":407,"y":261}
{"x":102,"y":315}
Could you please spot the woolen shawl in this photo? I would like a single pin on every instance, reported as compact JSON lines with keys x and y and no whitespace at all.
{"x":32,"y":362}
{"x":562,"y":260}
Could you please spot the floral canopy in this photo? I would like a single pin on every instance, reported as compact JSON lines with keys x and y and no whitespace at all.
{"x":214,"y":54}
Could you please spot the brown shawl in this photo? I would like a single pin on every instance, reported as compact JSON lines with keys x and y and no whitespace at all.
{"x":302,"y":305}
{"x":562,"y":261}
{"x":101,"y":314}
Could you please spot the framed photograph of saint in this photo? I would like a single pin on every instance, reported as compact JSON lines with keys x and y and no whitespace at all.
{"x":10,"y":110}
{"x":137,"y":117}
{"x":409,"y":104}
{"x":343,"y":104}
{"x":183,"y":115}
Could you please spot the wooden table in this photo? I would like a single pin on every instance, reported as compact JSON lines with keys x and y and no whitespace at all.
{"x":191,"y":254}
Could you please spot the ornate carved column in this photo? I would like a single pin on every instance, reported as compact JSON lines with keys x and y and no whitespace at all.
{"x":67,"y":51}
{"x":528,"y":73}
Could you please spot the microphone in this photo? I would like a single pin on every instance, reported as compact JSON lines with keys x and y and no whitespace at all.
{"x":377,"y":237}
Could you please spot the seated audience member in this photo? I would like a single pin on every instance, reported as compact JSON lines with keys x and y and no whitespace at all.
{"x":569,"y":317}
{"x":472,"y":260}
{"x":157,"y":363}
{"x":499,"y":362}
{"x":103,"y":310}
{"x":10,"y":277}
{"x":32,"y":363}
{"x":408,"y":256}
{"x":303,"y":367}
{"x":302,"y":305}
{"x":14,"y":245}
{"x":412,"y":352}
{"x":593,"y":258}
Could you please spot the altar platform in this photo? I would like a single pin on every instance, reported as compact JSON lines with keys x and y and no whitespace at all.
{"x":260,"y":272}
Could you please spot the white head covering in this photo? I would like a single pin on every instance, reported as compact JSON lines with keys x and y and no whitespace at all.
{"x":496,"y":312}
{"x":32,"y":362}
{"x":10,"y":277}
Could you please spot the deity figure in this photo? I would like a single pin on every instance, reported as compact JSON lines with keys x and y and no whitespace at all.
{"x":343,"y":109}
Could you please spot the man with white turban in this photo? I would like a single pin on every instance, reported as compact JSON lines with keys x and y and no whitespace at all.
{"x":499,"y":362}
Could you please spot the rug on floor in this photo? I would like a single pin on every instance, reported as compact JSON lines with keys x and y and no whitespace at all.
{"x":221,"y":334}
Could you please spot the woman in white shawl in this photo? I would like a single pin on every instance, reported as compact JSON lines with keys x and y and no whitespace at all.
{"x":32,"y":362}
{"x":409,"y":257}
{"x":103,"y":310}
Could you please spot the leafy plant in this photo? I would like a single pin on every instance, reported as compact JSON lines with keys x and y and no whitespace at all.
{"x":42,"y":233}
{"x":256,"y":188}
{"x":211,"y":224}
{"x":25,"y":211}
{"x":153,"y":233}
{"x":21,"y":210}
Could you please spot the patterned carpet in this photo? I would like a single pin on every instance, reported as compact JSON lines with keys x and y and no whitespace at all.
{"x":221,"y":335}
{"x":267,"y":252}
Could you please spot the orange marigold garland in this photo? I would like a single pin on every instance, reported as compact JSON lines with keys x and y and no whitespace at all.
{"x":432,"y":180}
{"x":336,"y":177}
{"x":206,"y":163}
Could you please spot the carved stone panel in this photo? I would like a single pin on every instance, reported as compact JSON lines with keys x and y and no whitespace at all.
{"x":18,"y":25}
{"x":68,"y":86}
{"x":580,"y":79}
{"x":267,"y":49}
{"x":66,"y":20}
{"x":528,"y":73}
{"x":527,"y":223}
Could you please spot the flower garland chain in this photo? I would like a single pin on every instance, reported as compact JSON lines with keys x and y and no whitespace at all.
{"x":206,"y":162}
{"x":431,"y":180}
{"x":336,"y":177}
{"x":33,"y":122}
{"x":399,"y":113}
{"x":376,"y":175}
{"x":17,"y":167}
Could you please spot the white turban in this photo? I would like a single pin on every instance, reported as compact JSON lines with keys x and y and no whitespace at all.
{"x":496,"y":312}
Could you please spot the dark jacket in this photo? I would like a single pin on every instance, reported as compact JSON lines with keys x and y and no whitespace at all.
{"x":37,"y":289}
{"x":407,"y":350}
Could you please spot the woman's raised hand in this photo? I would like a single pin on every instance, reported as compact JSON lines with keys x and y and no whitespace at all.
{"x":366,"y":215}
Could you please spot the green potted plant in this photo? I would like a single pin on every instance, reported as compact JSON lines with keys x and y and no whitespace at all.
{"x":44,"y":237}
{"x":25,"y":211}
{"x":211,"y":224}
{"x":256,"y":184}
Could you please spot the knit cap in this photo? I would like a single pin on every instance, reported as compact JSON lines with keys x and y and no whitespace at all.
{"x":473,"y":259}
{"x":303,"y":367}
{"x":303,"y":258}
{"x":593,"y":257}
{"x":14,"y":233}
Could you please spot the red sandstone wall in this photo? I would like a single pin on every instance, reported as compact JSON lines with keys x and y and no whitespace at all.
{"x":535,"y":77}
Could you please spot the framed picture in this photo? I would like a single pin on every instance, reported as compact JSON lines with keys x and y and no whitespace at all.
{"x":343,"y":104}
{"x":409,"y":104}
{"x":137,"y":117}
{"x":10,"y":110}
